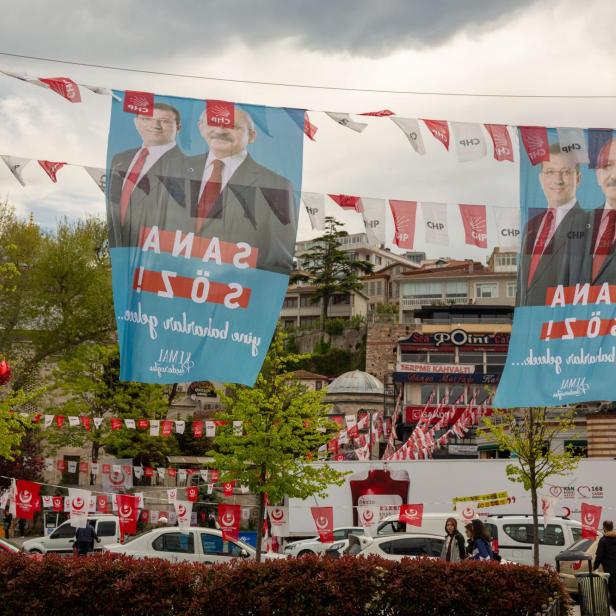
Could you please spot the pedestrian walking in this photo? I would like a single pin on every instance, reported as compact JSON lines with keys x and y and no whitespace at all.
{"x":482,"y":550}
{"x":453,"y":548}
{"x":21,"y":525}
{"x":606,"y":557}
{"x":84,"y":540}
{"x":468,"y":531}
{"x":6,"y":522}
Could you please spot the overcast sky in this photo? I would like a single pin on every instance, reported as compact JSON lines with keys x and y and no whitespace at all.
{"x":474,"y":46}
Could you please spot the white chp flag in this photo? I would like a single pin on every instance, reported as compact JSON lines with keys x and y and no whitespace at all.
{"x":138,"y":470}
{"x":203,"y":474}
{"x":16,"y":166}
{"x":182,"y":475}
{"x":410,"y":128}
{"x":49,"y":465}
{"x":436,"y":228}
{"x":154,"y":427}
{"x":238,"y":428}
{"x":98,"y":422}
{"x":279,"y":521}
{"x":94,"y":469}
{"x":350,"y":421}
{"x":154,"y":517}
{"x":172,"y":495}
{"x":507,"y":220}
{"x":173,"y":518}
{"x":100,"y":90}
{"x":369,"y":517}
{"x":470,"y":142}
{"x":363,"y":453}
{"x":130,"y":423}
{"x":79,"y":504}
{"x":547,"y":508}
{"x":315,"y":207}
{"x":344,"y":119}
{"x":180,"y":426}
{"x":210,"y":429}
{"x":98,"y":175}
{"x":573,"y":142}
{"x":343,"y":438}
{"x":73,"y":421}
{"x":48,"y":420}
{"x":72,"y":466}
{"x":25,"y":77}
{"x":183,"y":510}
{"x":210,"y":488}
{"x":373,"y":213}
{"x":161,"y":471}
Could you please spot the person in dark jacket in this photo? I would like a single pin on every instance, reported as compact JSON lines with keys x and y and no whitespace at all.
{"x":84,"y":540}
{"x":468,"y":531}
{"x":453,"y":548}
{"x":6,"y":522}
{"x":606,"y":557}
{"x":481,"y":542}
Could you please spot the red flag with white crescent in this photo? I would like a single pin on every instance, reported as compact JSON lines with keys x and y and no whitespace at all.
{"x":26,"y":497}
{"x":229,"y":521}
{"x":279,"y":521}
{"x":128,"y":511}
{"x":503,"y":150}
{"x":591,"y":516}
{"x":475,"y":225}
{"x":535,"y":140}
{"x":228,"y":488}
{"x":411,"y":514}
{"x":192,"y":493}
{"x":63,"y":86}
{"x":404,"y":214}
{"x":439,"y":130}
{"x":102,"y":503}
{"x":324,"y":520}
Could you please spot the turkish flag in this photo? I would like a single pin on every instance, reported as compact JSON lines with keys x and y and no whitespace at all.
{"x":51,"y":168}
{"x":220,"y":113}
{"x":116,"y":423}
{"x":197,"y":429}
{"x":228,"y":488}
{"x":192,"y":493}
{"x":591,"y":515}
{"x":404,"y":213}
{"x":26,"y":498}
{"x":64,"y":87}
{"x":102,"y":503}
{"x":439,"y":130}
{"x":535,"y":140}
{"x":411,"y":514}
{"x":347,"y":202}
{"x":58,"y":503}
{"x":503,"y":150}
{"x":475,"y":225}
{"x":128,"y":511}
{"x":229,"y":521}
{"x":324,"y":521}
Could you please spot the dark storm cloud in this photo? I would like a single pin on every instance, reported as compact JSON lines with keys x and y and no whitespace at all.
{"x":135,"y":32}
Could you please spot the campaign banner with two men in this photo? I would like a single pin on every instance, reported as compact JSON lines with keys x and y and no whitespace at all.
{"x":202,"y":206}
{"x":563,"y":342}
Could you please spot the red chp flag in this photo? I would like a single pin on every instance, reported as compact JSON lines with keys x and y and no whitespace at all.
{"x":439,"y":130}
{"x":535,"y":140}
{"x":411,"y":514}
{"x":51,"y":168}
{"x":475,"y":225}
{"x":141,"y":103}
{"x":64,"y":87}
{"x":166,"y":427}
{"x":192,"y":493}
{"x":116,"y":423}
{"x":220,"y":113}
{"x":229,"y":521}
{"x":128,"y":512}
{"x":310,"y":130}
{"x":591,"y":515}
{"x":198,"y":429}
{"x":347,"y":202}
{"x":503,"y":150}
{"x":26,"y":498}
{"x":324,"y":521}
{"x":404,"y":213}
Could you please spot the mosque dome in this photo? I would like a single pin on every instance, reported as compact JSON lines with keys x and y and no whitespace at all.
{"x":355,"y":382}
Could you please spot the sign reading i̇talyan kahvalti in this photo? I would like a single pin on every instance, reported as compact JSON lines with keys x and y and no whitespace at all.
{"x":563,"y":341}
{"x":202,"y":207}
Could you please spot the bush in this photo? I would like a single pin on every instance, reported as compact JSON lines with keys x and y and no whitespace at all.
{"x":105,"y":585}
{"x":335,"y":327}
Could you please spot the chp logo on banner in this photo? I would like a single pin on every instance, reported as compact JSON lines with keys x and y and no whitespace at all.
{"x":279,"y":521}
{"x":26,"y":498}
{"x":183,"y":510}
{"x":229,"y":521}
{"x":64,"y":87}
{"x":503,"y":149}
{"x":79,"y":505}
{"x":369,"y":517}
{"x":200,"y":270}
{"x":411,"y":514}
{"x":404,"y":214}
{"x":590,"y":518}
{"x":324,"y":521}
{"x":373,"y":213}
{"x":475,"y":224}
{"x":128,"y":512}
{"x":436,"y":226}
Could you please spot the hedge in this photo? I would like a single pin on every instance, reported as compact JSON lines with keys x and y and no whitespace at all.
{"x":105,"y":585}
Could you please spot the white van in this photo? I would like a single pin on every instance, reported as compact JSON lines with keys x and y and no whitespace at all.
{"x":432,"y":523}
{"x":62,"y":540}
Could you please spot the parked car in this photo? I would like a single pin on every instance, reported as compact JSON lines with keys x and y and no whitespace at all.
{"x":195,"y":544}
{"x":568,"y":569}
{"x":7,"y":547}
{"x":312,"y":545}
{"x":62,"y":539}
{"x":394,"y":546}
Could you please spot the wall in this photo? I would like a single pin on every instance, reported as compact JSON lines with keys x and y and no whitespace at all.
{"x":381,"y":345}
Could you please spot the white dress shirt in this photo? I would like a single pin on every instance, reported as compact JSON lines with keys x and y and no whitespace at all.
{"x":231,"y":164}
{"x":154,"y":153}
{"x":559,"y":214}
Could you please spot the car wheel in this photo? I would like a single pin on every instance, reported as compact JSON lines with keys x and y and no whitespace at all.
{"x":305,"y":553}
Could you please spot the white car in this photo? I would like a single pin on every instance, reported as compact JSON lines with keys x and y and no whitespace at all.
{"x":394,"y":547}
{"x":307,"y":547}
{"x":194,"y":544}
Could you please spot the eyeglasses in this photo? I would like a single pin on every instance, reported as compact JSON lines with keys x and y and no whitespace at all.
{"x":551,"y":173}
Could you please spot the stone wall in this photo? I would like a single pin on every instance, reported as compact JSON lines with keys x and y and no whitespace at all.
{"x":349,"y":340}
{"x":601,"y":430}
{"x":381,"y":347}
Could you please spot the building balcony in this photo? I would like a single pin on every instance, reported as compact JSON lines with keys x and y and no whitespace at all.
{"x":410,"y":303}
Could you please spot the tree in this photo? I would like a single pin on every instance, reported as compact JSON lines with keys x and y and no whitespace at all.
{"x":283,"y":426}
{"x":330,"y":270}
{"x":13,"y":427}
{"x":27,"y":464}
{"x":529,"y":433}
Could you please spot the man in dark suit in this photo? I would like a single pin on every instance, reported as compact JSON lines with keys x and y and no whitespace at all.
{"x":234,"y":198}
{"x":146,"y":184}
{"x":600,"y":263}
{"x":552,"y":249}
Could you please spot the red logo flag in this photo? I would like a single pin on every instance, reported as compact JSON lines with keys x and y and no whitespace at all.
{"x":228,"y":488}
{"x":85,"y":422}
{"x":165,"y":427}
{"x":380,"y":114}
{"x":475,"y":225}
{"x":145,"y":516}
{"x":214,"y":476}
{"x":347,"y":202}
{"x":324,"y":521}
{"x":229,"y":521}
{"x":404,"y":213}
{"x":64,"y":87}
{"x":220,"y":113}
{"x":197,"y":429}
{"x":353,"y":431}
{"x":127,"y":512}
{"x":143,"y":424}
{"x":535,"y":140}
{"x":148,"y":471}
{"x":440,"y":131}
{"x":51,"y":168}
{"x":59,"y":420}
{"x":591,"y":515}
{"x":141,"y":103}
{"x":116,"y":423}
{"x":172,"y":472}
{"x":26,"y":499}
{"x":192,"y":494}
{"x":83,"y":467}
{"x":106,"y":469}
{"x":58,"y":503}
{"x":332,"y":446}
{"x":411,"y":514}
{"x":310,"y":130}
{"x":60,"y":465}
{"x":503,"y":150}
{"x":102,"y":503}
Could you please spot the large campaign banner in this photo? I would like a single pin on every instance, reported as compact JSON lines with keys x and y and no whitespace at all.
{"x":202,"y":208}
{"x":563,"y":342}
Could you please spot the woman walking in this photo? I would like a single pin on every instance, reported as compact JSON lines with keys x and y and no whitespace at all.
{"x":481,"y":541}
{"x":453,"y":548}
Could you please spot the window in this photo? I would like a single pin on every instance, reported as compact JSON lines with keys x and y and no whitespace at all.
{"x":66,"y":531}
{"x":456,"y":288}
{"x":412,"y":546}
{"x":415,"y":357}
{"x":340,"y":299}
{"x":442,"y":358}
{"x":306,"y":300}
{"x":576,"y":533}
{"x":106,"y":529}
{"x":496,"y":361}
{"x":175,"y":542}
{"x":473,"y":358}
{"x":486,"y":290}
{"x":213,"y":544}
{"x":508,"y":259}
{"x":423,"y":290}
{"x":318,"y":385}
{"x":289,"y":302}
{"x":377,"y":260}
{"x":511,"y":288}
{"x":552,"y":534}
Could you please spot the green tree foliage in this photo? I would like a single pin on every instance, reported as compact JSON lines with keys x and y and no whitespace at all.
{"x":13,"y":427}
{"x":529,"y":433}
{"x":283,"y":427}
{"x":330,"y":270}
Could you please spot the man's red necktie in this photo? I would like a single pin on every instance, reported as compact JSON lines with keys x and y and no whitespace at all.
{"x":540,"y":244}
{"x":605,"y":244}
{"x":130,"y":182}
{"x":210,"y":193}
